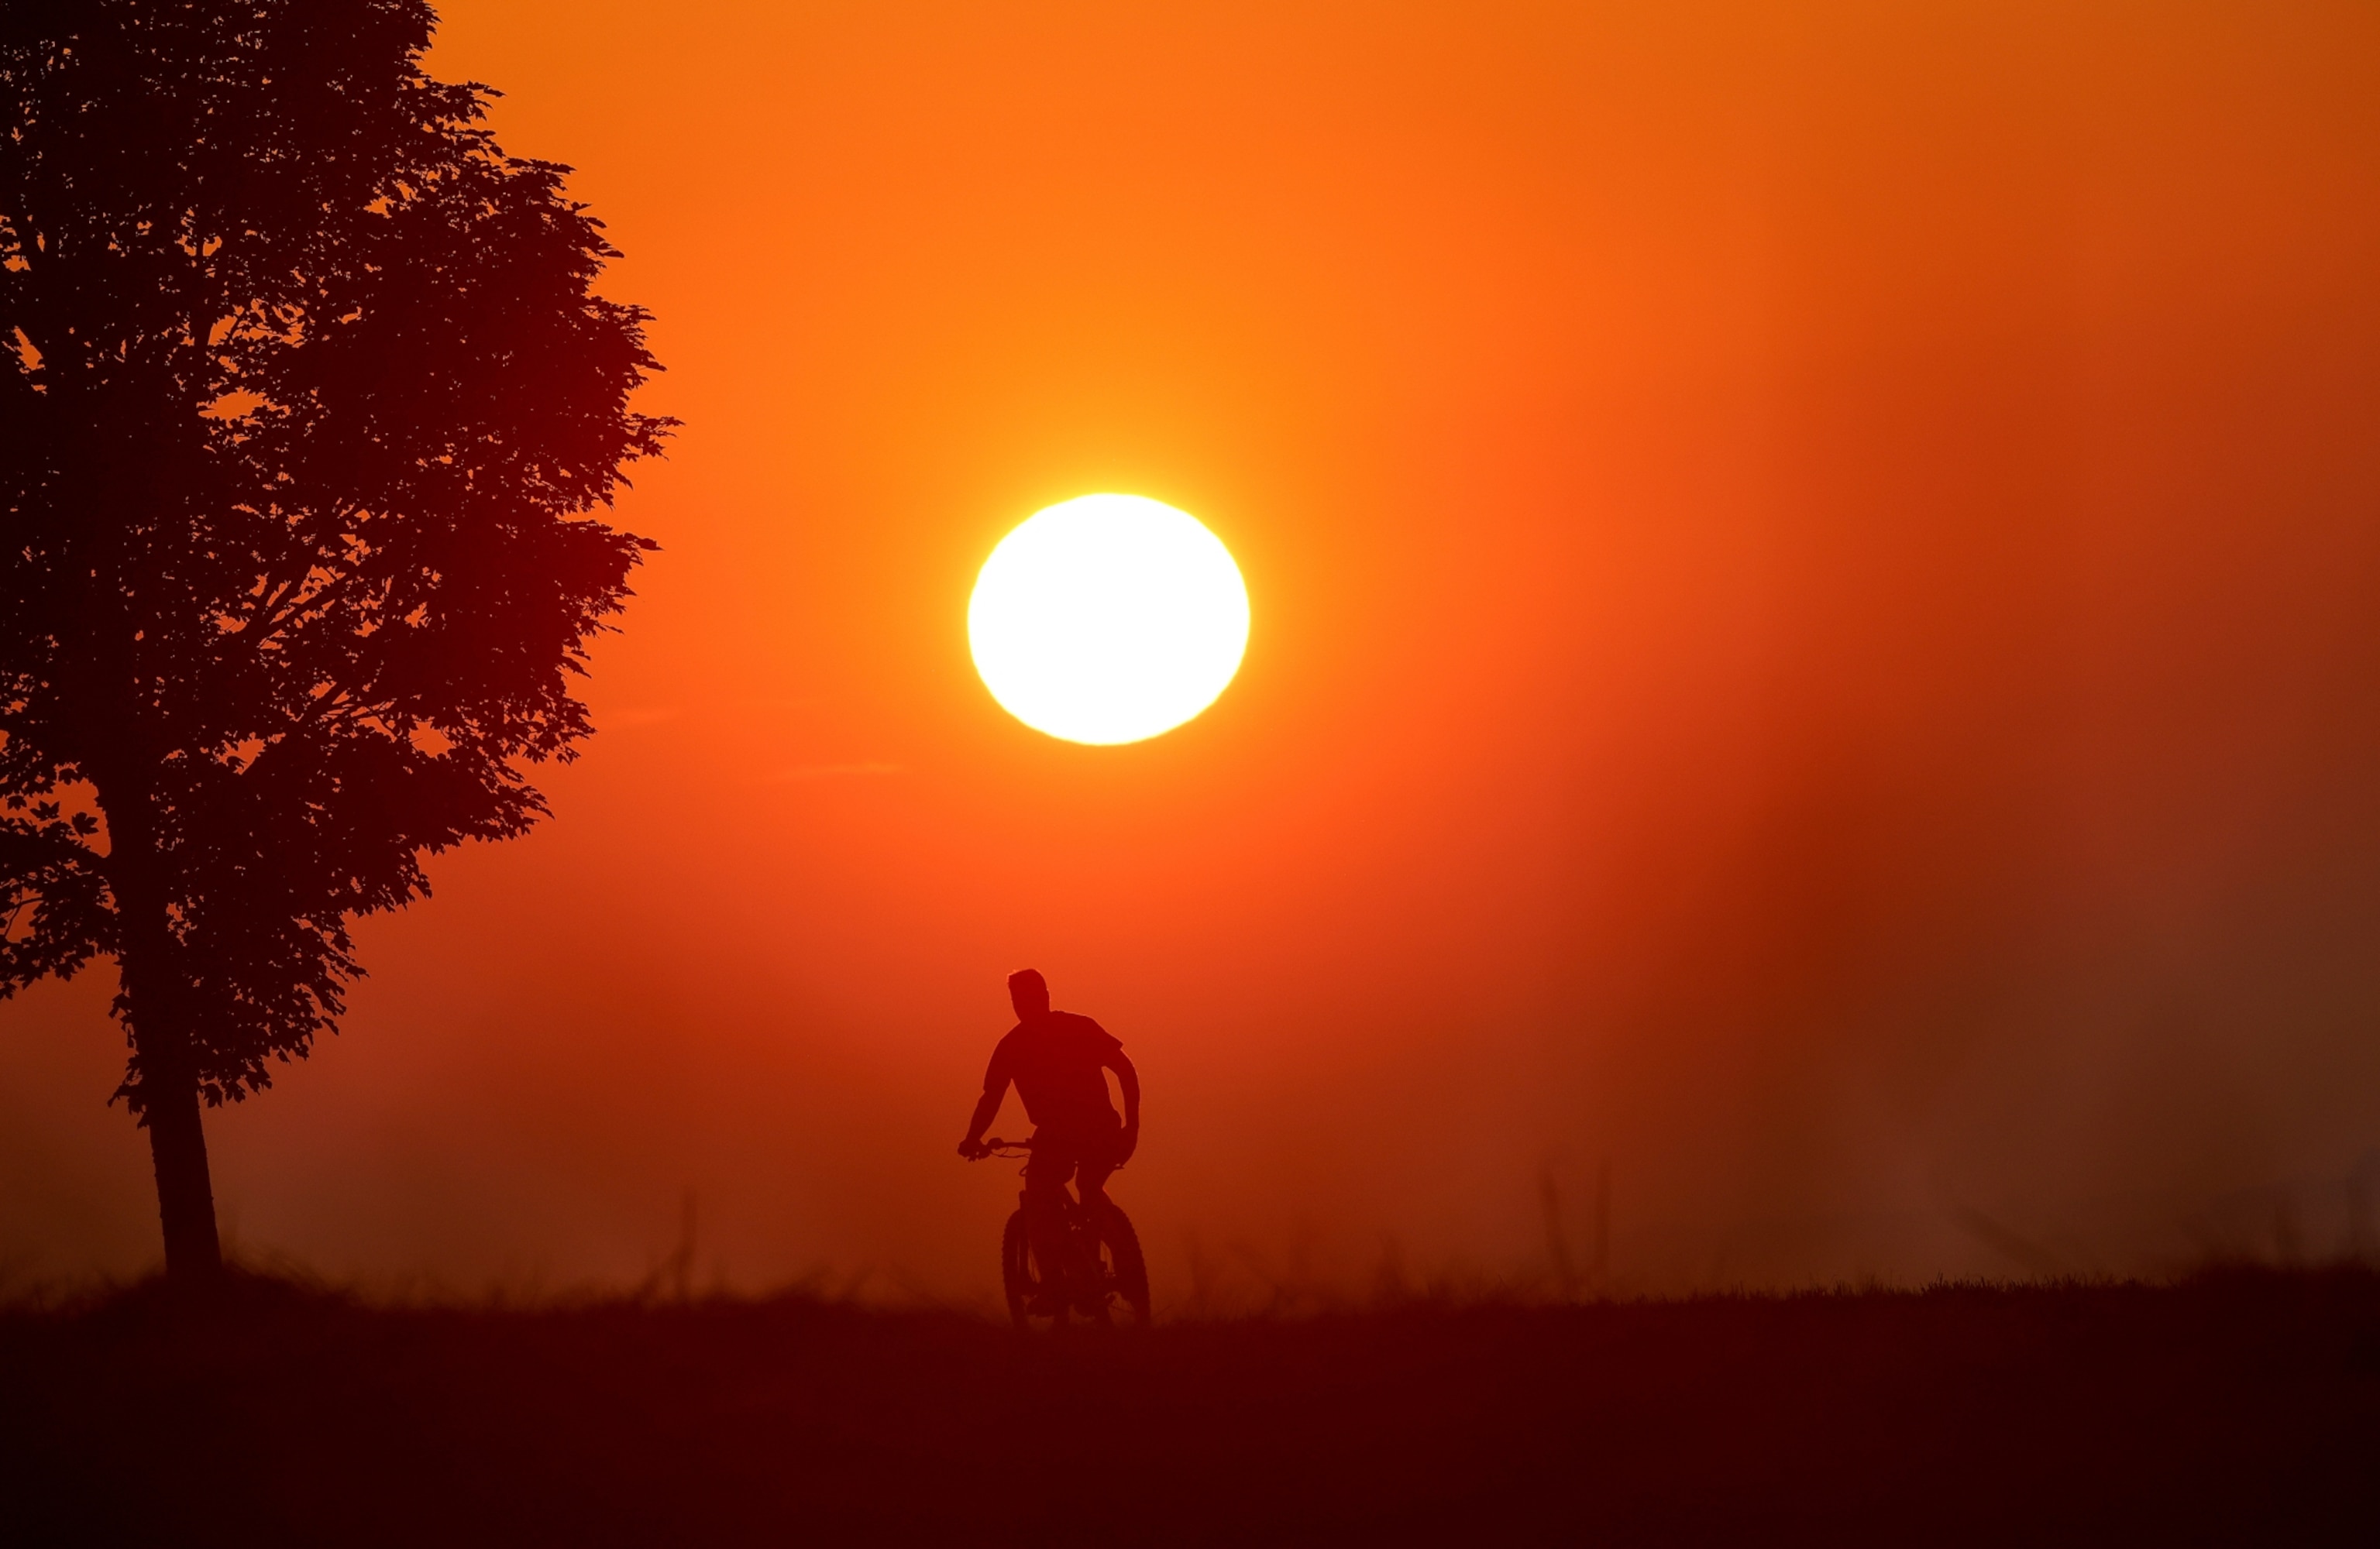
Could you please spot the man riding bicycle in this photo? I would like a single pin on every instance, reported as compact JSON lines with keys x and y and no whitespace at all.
{"x":1058,"y":1061}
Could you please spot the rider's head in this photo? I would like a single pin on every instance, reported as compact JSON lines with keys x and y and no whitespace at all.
{"x":1028,"y":992}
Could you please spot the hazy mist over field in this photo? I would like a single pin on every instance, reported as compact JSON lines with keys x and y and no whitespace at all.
{"x":1814,"y":657}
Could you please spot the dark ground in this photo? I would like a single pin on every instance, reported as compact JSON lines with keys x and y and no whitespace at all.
{"x":2238,"y":1407}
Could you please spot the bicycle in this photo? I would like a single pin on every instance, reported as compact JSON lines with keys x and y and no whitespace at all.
{"x":1108,"y":1275}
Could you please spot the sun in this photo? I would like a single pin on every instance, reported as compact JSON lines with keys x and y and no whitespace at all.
{"x":1107,"y":618}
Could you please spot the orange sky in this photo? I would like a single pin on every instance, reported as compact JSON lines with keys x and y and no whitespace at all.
{"x":1812,"y":570}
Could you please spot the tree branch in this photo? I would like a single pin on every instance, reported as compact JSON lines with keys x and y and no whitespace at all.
{"x":26,"y":850}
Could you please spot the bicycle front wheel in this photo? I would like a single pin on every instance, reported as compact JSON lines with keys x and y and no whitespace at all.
{"x":1021,"y":1277}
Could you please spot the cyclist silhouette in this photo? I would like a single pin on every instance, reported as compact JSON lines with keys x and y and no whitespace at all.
{"x":1056,"y":1059}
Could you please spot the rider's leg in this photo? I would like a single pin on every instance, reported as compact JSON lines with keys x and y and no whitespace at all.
{"x":1046,"y":1207}
{"x":1100,"y":1153}
{"x":1091,"y":1182}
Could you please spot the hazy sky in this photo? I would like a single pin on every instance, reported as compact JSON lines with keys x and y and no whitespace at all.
{"x":1813,"y":571}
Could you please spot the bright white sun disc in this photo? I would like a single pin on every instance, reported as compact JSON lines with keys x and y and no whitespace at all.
{"x":1107,"y":618}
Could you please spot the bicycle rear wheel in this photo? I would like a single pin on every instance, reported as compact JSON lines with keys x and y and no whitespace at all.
{"x":1124,"y":1273}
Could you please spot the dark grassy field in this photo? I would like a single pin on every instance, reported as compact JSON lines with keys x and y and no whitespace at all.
{"x":2238,"y":1407}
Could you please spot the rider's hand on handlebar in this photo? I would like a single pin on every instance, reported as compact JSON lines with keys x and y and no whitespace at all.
{"x":973,"y":1149}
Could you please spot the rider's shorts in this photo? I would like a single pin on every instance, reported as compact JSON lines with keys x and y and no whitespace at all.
{"x":1059,"y":1149}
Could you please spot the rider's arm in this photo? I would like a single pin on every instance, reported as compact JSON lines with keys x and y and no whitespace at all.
{"x":986,"y":1107}
{"x":1129,"y":1079}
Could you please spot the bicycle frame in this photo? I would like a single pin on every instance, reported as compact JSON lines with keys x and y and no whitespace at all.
{"x":1089,"y":1286}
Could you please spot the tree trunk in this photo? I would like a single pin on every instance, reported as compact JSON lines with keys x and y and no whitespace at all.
{"x":186,"y":1195}
{"x":167,"y":1086}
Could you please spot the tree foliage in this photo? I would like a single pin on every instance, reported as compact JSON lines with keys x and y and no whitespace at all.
{"x":307,"y":401}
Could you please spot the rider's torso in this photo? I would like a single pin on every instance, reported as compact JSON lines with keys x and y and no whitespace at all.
{"x":1056,"y":1064}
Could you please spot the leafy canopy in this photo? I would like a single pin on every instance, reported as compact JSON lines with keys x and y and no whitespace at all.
{"x":304,"y":400}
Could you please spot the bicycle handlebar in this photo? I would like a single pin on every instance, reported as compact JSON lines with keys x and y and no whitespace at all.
{"x":995,"y":1146}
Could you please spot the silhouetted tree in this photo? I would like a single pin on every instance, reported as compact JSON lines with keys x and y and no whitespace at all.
{"x":306,"y":396}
